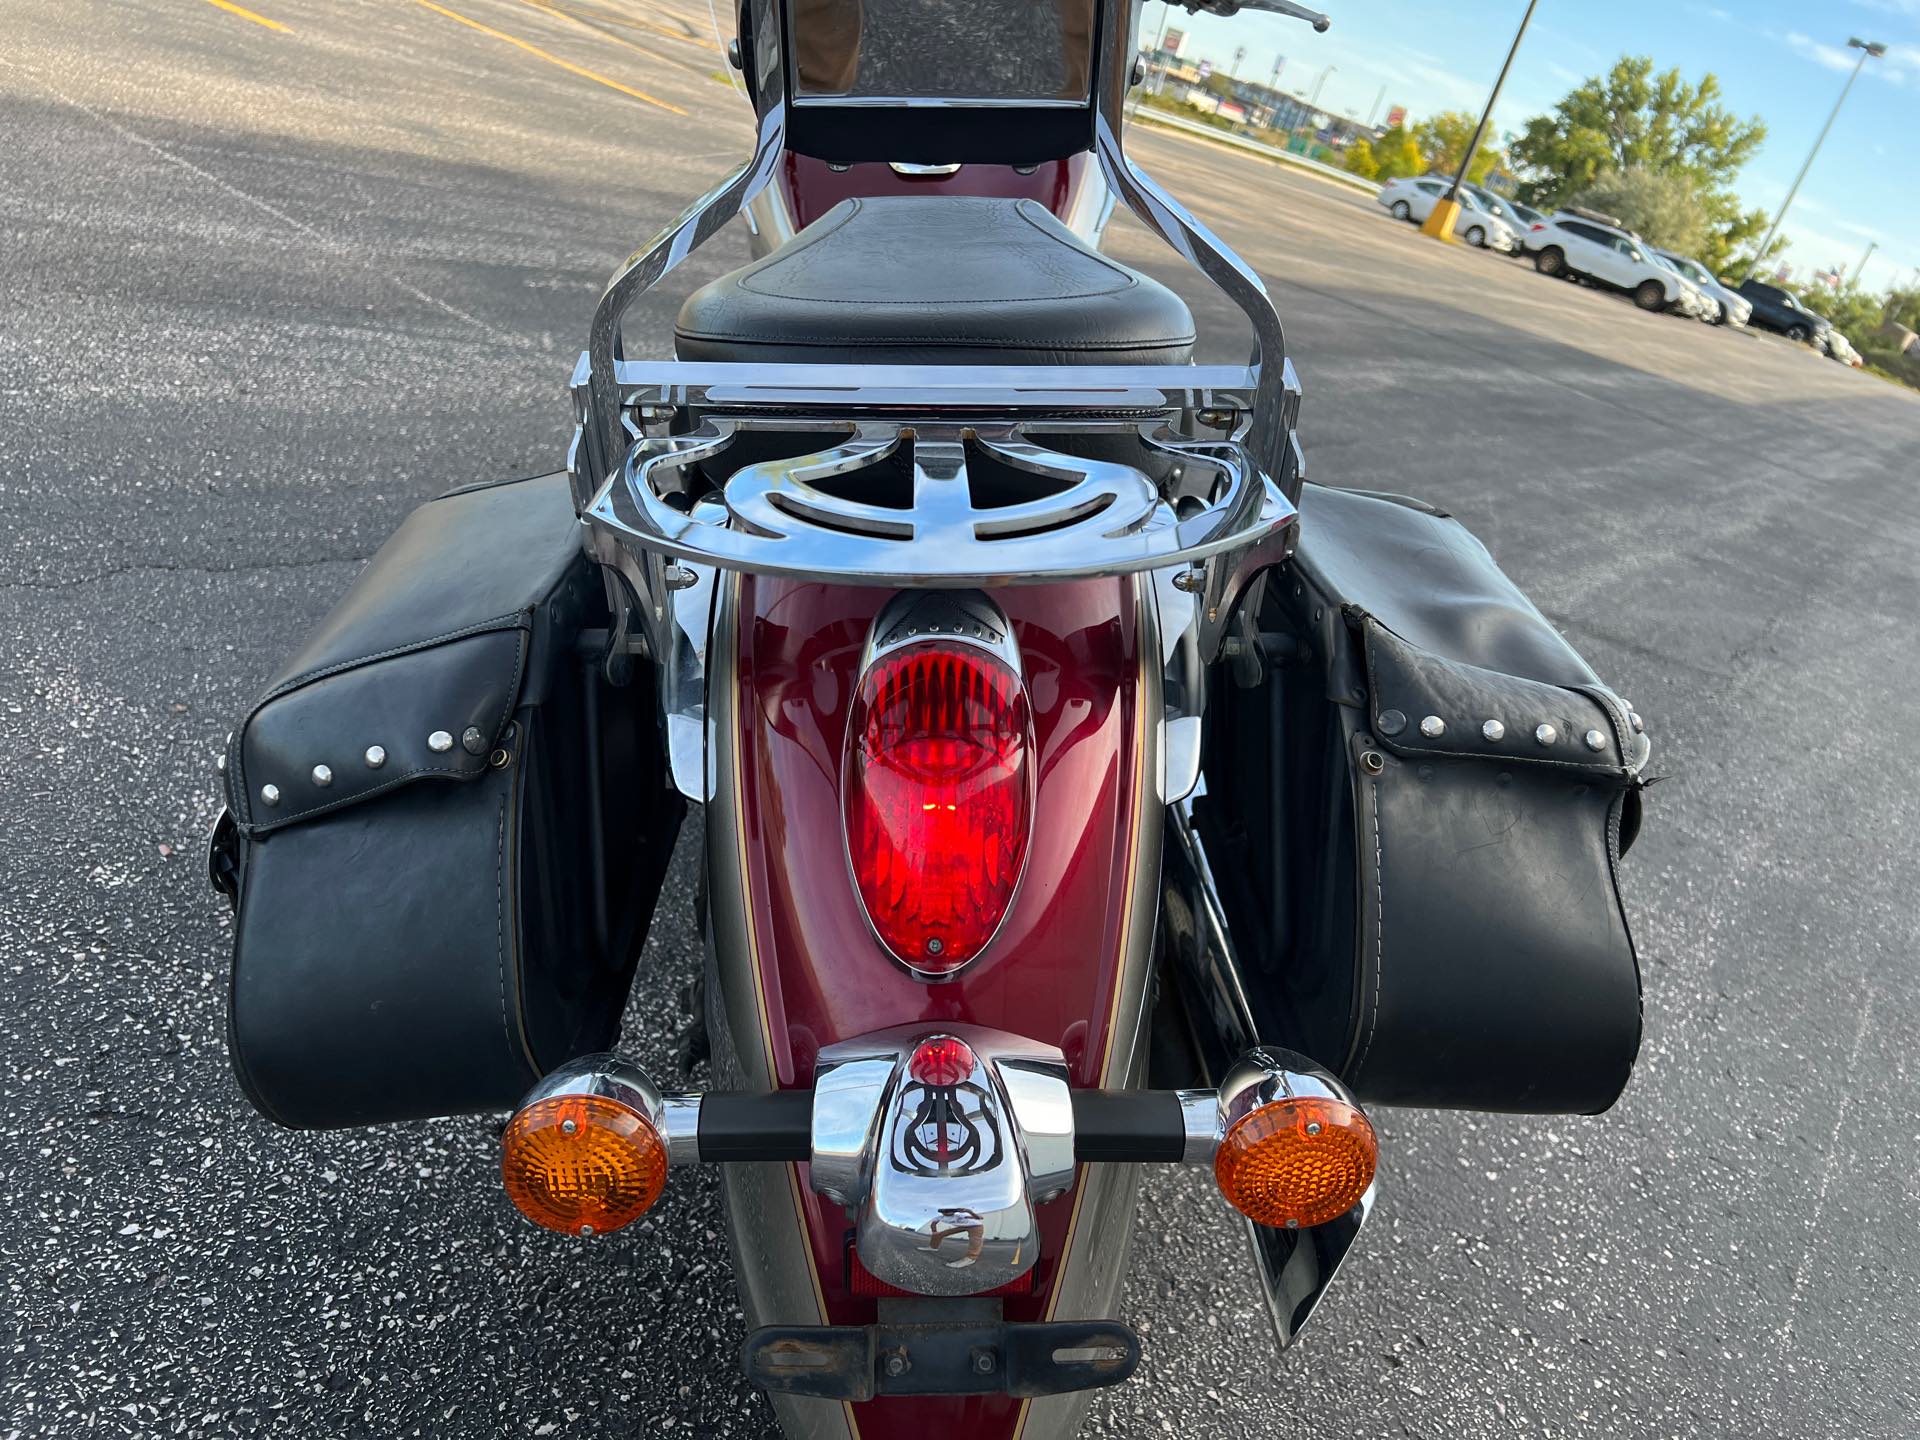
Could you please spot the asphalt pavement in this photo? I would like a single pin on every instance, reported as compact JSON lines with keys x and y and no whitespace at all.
{"x":274,"y":274}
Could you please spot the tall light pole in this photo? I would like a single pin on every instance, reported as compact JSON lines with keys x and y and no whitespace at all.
{"x":1439,"y":221}
{"x":1872,"y":245}
{"x":1378,"y":101}
{"x":1866,"y":48}
{"x":1314,"y":103}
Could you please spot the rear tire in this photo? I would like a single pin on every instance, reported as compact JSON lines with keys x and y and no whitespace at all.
{"x":1400,"y":210}
{"x":1551,"y":261}
{"x":1799,"y":334}
{"x":1477,"y":238}
{"x":1650,"y":295}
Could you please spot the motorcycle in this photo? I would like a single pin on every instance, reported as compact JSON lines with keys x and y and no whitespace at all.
{"x":1083,"y":789}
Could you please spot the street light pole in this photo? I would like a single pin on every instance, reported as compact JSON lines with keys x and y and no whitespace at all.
{"x":1440,"y":219}
{"x":1314,"y":103}
{"x":1872,"y":245}
{"x":1866,"y":48}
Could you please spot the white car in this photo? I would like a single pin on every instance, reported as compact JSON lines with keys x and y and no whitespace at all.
{"x":1693,"y":302}
{"x":1733,"y":307}
{"x":1414,"y":198}
{"x":1840,"y":348}
{"x":1580,"y":244}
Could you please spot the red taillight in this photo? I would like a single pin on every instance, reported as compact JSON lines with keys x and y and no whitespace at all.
{"x":938,"y":799}
{"x":941,"y":1062}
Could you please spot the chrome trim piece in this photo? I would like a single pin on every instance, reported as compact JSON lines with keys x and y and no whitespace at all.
{"x":955,"y":617}
{"x":1200,"y":1117}
{"x":943,"y":1182}
{"x":906,"y":167}
{"x":1183,"y":685}
{"x":769,"y":221}
{"x":680,"y":1128}
{"x":1092,"y":207}
{"x":850,"y":1092}
{"x":608,"y":1076}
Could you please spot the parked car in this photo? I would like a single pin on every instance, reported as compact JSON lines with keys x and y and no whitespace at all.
{"x":1521,"y":218}
{"x":1413,"y":198}
{"x":1781,"y":310}
{"x":1693,"y":302}
{"x":1840,"y":348}
{"x":1582,"y":244}
{"x":1734,"y":308}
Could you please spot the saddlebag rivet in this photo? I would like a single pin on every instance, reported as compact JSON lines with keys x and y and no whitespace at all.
{"x":323,"y":775}
{"x":1639,"y":725}
{"x":220,"y":762}
{"x":440,"y":741}
{"x":1391,"y":722}
{"x":1372,"y":762}
{"x":1546,"y":734}
{"x":897,"y":1363}
{"x":1494,"y":731}
{"x":498,"y":759}
{"x":270,"y":794}
{"x":984,"y":1362}
{"x":376,"y":756}
{"x":1595,"y":740}
{"x":472,"y":741}
{"x":1433,"y":727}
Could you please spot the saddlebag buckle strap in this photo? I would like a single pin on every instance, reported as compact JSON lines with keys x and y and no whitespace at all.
{"x":987,"y":1357}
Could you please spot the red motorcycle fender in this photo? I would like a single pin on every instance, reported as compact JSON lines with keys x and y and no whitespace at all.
{"x":794,"y":965}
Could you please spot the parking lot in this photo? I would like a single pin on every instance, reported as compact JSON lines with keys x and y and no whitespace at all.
{"x":267,"y":288}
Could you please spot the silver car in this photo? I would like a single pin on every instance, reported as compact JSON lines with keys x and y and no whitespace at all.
{"x":1734,"y":308}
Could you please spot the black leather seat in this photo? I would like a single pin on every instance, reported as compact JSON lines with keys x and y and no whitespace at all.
{"x":936,"y":280}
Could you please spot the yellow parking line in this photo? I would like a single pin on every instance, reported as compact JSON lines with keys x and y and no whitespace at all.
{"x":233,"y":9}
{"x":542,"y":54}
{"x":574,"y":20}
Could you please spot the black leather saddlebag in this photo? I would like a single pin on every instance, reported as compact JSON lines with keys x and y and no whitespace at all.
{"x":1417,"y":837}
{"x":447,"y":832}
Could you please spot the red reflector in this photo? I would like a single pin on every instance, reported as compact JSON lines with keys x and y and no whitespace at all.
{"x":941,"y":1062}
{"x":938,"y":800}
{"x":864,"y":1283}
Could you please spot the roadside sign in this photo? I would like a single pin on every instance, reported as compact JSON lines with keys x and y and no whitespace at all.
{"x":1206,"y":69}
{"x":1173,"y":40}
{"x":1396,"y":117}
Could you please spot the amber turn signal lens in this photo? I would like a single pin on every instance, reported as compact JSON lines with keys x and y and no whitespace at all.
{"x":582,"y":1164}
{"x":1297,"y":1162}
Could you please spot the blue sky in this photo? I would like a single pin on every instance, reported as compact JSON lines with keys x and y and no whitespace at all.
{"x":1784,"y":62}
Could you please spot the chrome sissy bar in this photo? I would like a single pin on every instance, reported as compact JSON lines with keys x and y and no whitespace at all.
{"x":1230,"y":427}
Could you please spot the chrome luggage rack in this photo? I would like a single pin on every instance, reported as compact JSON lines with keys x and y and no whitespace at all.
{"x":970,"y":488}
{"x":935,"y":475}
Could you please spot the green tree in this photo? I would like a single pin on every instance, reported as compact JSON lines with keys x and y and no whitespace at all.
{"x":1396,"y":155}
{"x":1632,"y":118}
{"x":1444,"y":138}
{"x":1857,"y":311}
{"x":1663,"y":206}
{"x":1359,"y":159}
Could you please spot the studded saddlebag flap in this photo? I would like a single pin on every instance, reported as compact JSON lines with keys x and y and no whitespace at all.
{"x":448,"y":832}
{"x":1429,"y":803}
